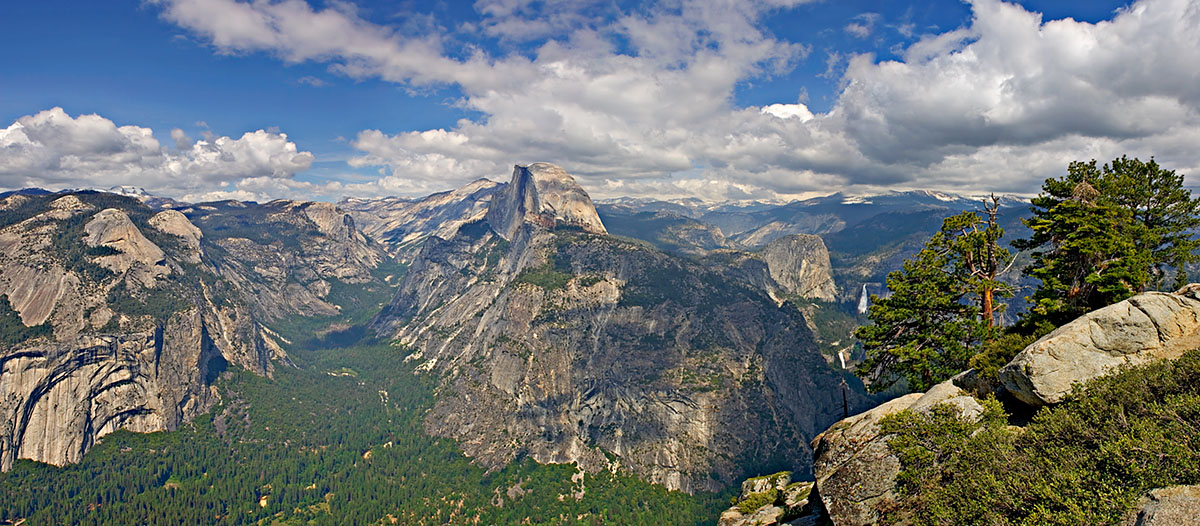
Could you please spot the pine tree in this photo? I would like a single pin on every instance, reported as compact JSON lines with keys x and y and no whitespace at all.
{"x":1100,"y":235}
{"x":941,"y":305}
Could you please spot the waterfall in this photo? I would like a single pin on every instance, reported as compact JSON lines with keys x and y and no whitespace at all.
{"x":863,"y":300}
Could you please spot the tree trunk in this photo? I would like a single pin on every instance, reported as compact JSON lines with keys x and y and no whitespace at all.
{"x":987,"y":308}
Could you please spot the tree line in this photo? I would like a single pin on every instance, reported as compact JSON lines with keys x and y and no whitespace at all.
{"x":1098,"y":235}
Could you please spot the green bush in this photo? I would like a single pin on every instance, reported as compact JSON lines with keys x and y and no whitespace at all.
{"x":545,"y":276}
{"x":757,"y":500}
{"x":996,"y":353}
{"x":1085,"y":461}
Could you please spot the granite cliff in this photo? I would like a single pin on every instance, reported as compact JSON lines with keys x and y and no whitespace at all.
{"x":555,"y":341}
{"x":800,"y":264}
{"x":127,"y":314}
{"x":541,"y":194}
{"x":401,"y":224}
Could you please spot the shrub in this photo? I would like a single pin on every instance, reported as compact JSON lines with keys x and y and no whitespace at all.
{"x":1085,"y":461}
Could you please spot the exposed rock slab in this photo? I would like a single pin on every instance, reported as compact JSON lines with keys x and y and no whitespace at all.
{"x":800,"y":264}
{"x":854,"y":467}
{"x":1171,"y":506}
{"x":173,"y":222}
{"x":565,"y":345}
{"x":402,"y":224}
{"x":545,"y":195}
{"x":112,"y":228}
{"x":129,"y":349}
{"x":1143,"y":328}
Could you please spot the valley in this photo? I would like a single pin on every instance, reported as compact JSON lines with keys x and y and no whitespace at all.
{"x":508,"y":350}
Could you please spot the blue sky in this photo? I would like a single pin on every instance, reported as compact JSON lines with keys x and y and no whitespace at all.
{"x":718,"y":99}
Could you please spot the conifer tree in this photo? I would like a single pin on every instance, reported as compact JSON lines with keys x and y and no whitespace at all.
{"x":1100,"y":235}
{"x":941,"y":305}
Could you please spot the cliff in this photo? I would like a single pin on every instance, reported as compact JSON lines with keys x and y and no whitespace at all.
{"x":401,"y":224}
{"x":542,"y":194}
{"x":126,"y":314}
{"x":799,"y":263}
{"x":568,"y":345}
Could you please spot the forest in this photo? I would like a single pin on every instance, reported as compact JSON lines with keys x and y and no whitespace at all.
{"x":337,"y":441}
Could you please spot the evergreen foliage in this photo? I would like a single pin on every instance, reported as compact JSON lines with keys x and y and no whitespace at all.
{"x":933,"y":321}
{"x":13,"y":331}
{"x":1086,"y":461}
{"x":324,"y":447}
{"x":1100,"y":235}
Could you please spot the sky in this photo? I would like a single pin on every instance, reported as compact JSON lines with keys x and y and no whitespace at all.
{"x":716,"y":99}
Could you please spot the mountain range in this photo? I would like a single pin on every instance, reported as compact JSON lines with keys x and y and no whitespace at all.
{"x":685,"y":342}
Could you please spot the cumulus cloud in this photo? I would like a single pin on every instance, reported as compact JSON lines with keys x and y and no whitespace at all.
{"x":52,"y":149}
{"x":642,"y":101}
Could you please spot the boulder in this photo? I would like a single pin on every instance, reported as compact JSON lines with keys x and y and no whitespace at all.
{"x":1146,"y":327}
{"x":1171,"y":506}
{"x":854,"y":467}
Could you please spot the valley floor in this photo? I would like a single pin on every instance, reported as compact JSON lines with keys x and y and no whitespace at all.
{"x":338,"y":441}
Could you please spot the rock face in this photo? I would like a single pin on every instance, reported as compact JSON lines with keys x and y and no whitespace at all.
{"x":1173,"y":506}
{"x":173,"y":222}
{"x":770,"y":501}
{"x":545,"y":195}
{"x":284,"y":256}
{"x":144,"y":310}
{"x":59,"y":397}
{"x":669,"y":230}
{"x":854,"y":467}
{"x":1142,"y":328}
{"x":401,"y":225}
{"x":111,"y":228}
{"x":800,"y":264}
{"x":565,"y":345}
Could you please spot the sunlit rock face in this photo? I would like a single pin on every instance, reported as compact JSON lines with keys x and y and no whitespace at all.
{"x":557,"y":341}
{"x":800,"y":264}
{"x":401,"y":224}
{"x":137,"y":311}
{"x":1146,"y":327}
{"x":542,"y":194}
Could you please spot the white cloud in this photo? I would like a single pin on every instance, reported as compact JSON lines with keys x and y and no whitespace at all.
{"x":54,"y":150}
{"x":789,"y":111}
{"x":310,"y":80}
{"x":863,"y":25}
{"x":641,"y":102}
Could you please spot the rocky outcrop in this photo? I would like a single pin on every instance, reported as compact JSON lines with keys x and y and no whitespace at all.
{"x":570,"y":346}
{"x":1143,"y":328}
{"x":800,"y":264}
{"x":401,"y":224}
{"x":173,"y":222}
{"x":1173,"y":506}
{"x":542,"y":194}
{"x":854,"y":467}
{"x":146,"y":309}
{"x":112,"y":229}
{"x":284,"y":256}
{"x":58,"y":397}
{"x":564,"y":345}
{"x":771,"y":500}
